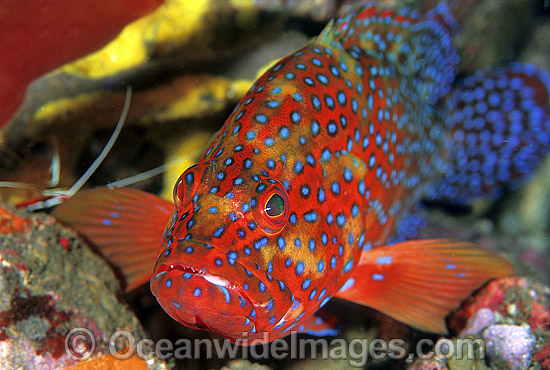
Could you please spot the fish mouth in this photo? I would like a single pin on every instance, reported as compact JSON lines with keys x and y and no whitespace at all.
{"x":201,"y":294}
{"x":213,"y":279}
{"x":186,"y":269}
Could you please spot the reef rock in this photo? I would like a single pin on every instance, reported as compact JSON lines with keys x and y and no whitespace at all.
{"x":509,"y":345}
{"x":59,"y":302}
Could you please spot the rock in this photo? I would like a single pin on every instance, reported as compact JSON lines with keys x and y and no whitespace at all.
{"x":517,"y":300}
{"x":244,"y":365}
{"x":481,"y":319}
{"x":430,"y":364}
{"x":59,"y":302}
{"x":509,"y":346}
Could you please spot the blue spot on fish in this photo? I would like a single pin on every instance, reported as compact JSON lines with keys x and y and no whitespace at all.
{"x":386,"y":260}
{"x":299,"y":268}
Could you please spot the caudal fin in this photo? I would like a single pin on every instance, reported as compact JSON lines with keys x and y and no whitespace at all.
{"x":499,"y":124}
{"x":126,"y":225}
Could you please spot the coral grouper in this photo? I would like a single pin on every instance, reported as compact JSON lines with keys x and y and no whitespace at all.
{"x":295,"y":198}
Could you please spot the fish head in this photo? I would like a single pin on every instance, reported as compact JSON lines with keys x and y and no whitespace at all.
{"x":209,"y":273}
{"x":256,"y":227}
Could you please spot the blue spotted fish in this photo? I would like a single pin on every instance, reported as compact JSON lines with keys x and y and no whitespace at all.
{"x":295,"y":198}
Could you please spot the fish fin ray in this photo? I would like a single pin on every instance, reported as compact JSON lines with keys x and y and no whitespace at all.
{"x":120,"y":222}
{"x":404,"y":280}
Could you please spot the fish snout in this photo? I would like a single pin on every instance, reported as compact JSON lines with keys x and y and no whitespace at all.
{"x":197,"y":286}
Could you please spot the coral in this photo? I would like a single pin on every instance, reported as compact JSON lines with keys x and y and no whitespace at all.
{"x":108,"y":362}
{"x":518,"y":300}
{"x":513,"y":316}
{"x":431,"y":364}
{"x":543,"y":357}
{"x":169,"y":55}
{"x":509,"y":345}
{"x":481,"y":319}
{"x":50,"y":284}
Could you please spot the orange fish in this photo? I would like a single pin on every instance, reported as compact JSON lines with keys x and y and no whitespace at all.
{"x":294,"y":201}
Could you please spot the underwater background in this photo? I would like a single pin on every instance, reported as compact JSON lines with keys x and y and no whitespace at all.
{"x":189,"y":63}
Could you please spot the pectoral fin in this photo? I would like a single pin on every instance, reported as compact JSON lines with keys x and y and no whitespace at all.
{"x":126,"y":225}
{"x":419,"y":282}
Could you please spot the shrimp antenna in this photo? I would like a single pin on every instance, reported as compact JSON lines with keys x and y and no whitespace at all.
{"x":82,"y":180}
{"x":152,"y":172}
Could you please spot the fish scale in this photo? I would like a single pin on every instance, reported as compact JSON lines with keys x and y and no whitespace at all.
{"x":294,"y":200}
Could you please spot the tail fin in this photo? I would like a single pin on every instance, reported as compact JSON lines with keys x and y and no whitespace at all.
{"x":499,"y":131}
{"x":418,"y":46}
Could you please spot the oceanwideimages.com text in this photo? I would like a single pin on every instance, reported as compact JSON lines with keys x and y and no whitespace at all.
{"x":80,"y":345}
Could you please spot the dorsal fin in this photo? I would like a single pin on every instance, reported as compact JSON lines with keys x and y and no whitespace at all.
{"x":418,"y":46}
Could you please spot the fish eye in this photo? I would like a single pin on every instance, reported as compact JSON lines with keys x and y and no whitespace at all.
{"x":270,"y":206}
{"x":275,"y":206}
{"x":177,"y":193}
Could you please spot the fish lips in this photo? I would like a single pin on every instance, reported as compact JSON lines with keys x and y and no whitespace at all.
{"x":194,"y":284}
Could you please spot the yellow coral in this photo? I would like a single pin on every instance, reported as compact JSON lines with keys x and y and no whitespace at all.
{"x":193,"y":96}
{"x":173,"y":20}
{"x":180,"y":156}
{"x":55,"y":109}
